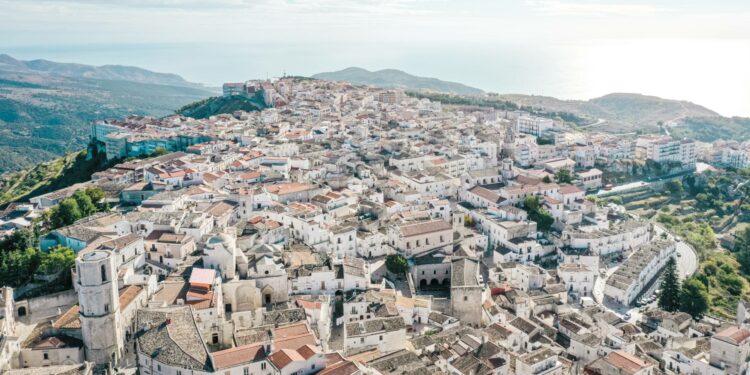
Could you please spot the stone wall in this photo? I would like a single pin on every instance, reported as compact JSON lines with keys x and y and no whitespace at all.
{"x":47,"y":305}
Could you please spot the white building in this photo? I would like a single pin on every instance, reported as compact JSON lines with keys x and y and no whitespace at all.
{"x":535,"y":126}
{"x":385,"y":334}
{"x":637,"y":271}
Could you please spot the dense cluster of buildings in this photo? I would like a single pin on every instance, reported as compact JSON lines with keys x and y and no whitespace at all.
{"x":258,"y":243}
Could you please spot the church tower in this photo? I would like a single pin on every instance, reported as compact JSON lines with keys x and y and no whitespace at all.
{"x":99,"y":304}
{"x":507,"y":169}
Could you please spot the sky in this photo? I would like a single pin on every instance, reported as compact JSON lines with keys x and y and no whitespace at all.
{"x":574,"y":49}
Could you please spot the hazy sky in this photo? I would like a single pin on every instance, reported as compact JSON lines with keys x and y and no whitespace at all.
{"x":697,"y":50}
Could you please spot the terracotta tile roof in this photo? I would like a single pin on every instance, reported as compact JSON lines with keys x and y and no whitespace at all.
{"x":128,"y":294}
{"x":486,"y":194}
{"x":409,"y":230}
{"x":295,"y":342}
{"x":290,"y":330}
{"x":235,"y":356}
{"x":626,"y":362}
{"x":333,"y":358}
{"x":734,"y":334}
{"x":288,"y":188}
{"x":570,"y":189}
{"x":69,"y":319}
{"x":284,"y":357}
{"x":341,"y":368}
{"x":307,"y":351}
{"x":308,"y":304}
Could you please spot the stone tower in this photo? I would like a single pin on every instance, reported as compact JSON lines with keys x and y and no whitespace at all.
{"x":99,"y":303}
{"x":507,"y":170}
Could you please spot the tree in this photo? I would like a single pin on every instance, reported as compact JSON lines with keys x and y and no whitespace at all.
{"x":468,"y":221}
{"x":96,"y":194}
{"x":674,"y":187}
{"x":669,"y":299}
{"x":563,"y":176}
{"x":159,"y":151}
{"x":531,"y":203}
{"x":742,"y":251}
{"x":546,"y":180}
{"x":85,"y":205}
{"x":66,"y":213}
{"x":59,"y":258}
{"x":694,"y":298}
{"x":542,"y":217}
{"x":17,"y":267}
{"x":396,"y":263}
{"x":20,"y":239}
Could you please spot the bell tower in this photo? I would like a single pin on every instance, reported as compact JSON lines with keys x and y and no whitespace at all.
{"x":99,"y":303}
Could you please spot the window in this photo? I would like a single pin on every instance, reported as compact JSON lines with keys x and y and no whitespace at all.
{"x":158,"y":367}
{"x":179,"y":372}
{"x":46,"y":355}
{"x":106,"y":307}
{"x":362,"y":340}
{"x":381,"y":337}
{"x":246,"y":371}
{"x":104,"y":274}
{"x":466,"y":298}
{"x":262,"y":365}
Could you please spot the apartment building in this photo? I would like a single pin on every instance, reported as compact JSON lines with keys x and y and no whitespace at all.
{"x":638,"y":271}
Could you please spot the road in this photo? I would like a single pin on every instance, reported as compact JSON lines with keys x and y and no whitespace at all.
{"x":687,"y":264}
{"x":687,"y":259}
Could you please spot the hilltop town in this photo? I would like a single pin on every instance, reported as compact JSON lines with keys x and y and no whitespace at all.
{"x":358,"y":230}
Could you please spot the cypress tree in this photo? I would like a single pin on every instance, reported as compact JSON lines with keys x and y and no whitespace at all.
{"x":669,"y":300}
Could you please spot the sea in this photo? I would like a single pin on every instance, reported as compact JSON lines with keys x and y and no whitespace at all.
{"x":714,"y":73}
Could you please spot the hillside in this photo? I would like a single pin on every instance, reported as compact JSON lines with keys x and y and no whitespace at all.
{"x":397,"y":79}
{"x":219,"y":104}
{"x":105,"y":72}
{"x":709,"y":129}
{"x":619,"y":112}
{"x":58,"y":173}
{"x":46,"y":108}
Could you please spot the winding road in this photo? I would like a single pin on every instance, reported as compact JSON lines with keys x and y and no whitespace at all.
{"x":687,"y":264}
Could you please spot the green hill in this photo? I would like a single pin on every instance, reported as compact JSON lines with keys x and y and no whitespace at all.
{"x":620,"y":112}
{"x":56,"y":174}
{"x":709,"y":129}
{"x":220,"y":104}
{"x":46,"y":108}
{"x":392,"y":78}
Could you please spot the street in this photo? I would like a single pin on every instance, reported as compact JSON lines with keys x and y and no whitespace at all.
{"x":687,"y":264}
